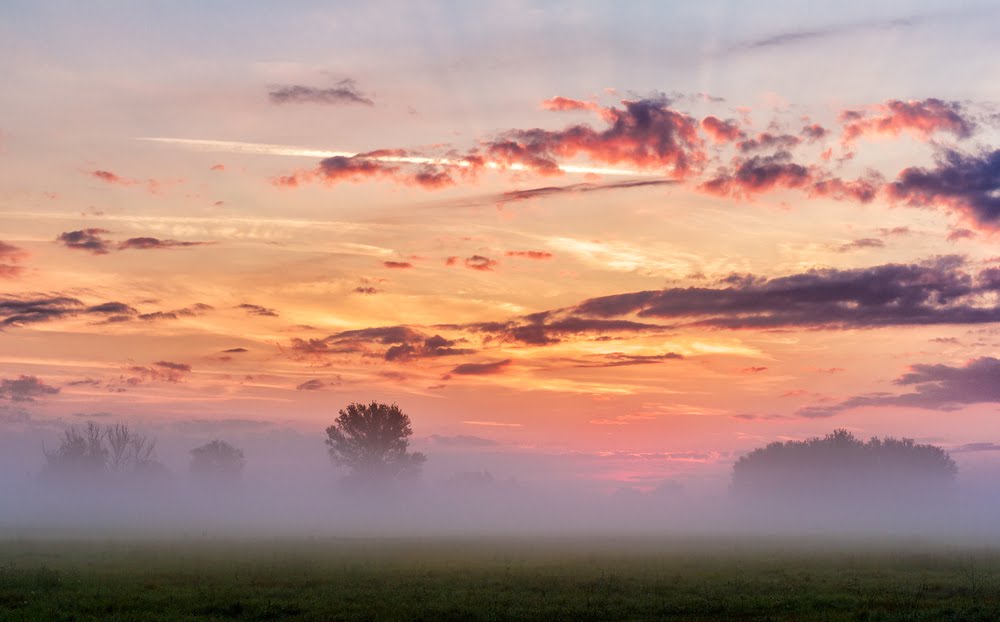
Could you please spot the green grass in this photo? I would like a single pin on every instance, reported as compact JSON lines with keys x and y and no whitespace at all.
{"x":414,"y":579}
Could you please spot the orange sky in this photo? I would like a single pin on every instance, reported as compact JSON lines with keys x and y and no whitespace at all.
{"x":765,"y":256}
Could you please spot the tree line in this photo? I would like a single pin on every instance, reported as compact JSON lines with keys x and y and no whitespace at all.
{"x":840,"y":466}
{"x":372,"y":441}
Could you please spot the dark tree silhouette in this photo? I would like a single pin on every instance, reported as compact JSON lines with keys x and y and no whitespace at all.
{"x":217,"y":461}
{"x":128,"y":451}
{"x":840,"y":467}
{"x":81,"y":454}
{"x":96,"y":451}
{"x":372,"y":441}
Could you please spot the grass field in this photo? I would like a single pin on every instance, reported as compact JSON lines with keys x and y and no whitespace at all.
{"x":498,"y":579}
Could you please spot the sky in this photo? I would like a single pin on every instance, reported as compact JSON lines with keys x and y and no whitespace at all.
{"x":609,"y":244}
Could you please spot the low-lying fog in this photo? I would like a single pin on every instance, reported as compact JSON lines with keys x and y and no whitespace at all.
{"x":290,"y":488}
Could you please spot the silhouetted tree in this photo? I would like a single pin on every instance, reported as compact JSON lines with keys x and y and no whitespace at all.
{"x":80,"y":453}
{"x":372,"y":441}
{"x":128,"y":451}
{"x":841,"y":467}
{"x":217,"y":461}
{"x":96,"y":451}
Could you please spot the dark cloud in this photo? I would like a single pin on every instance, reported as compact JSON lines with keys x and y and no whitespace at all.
{"x":385,"y":335}
{"x":344,"y":92}
{"x":311,"y":385}
{"x":644,"y":133}
{"x":315,"y":348}
{"x":482,"y":369}
{"x":549,"y":327}
{"x":85,"y":382}
{"x":236,"y":350}
{"x":87,"y":240}
{"x":966,"y":183}
{"x":529,"y":254}
{"x":810,"y":35}
{"x":766,"y":140}
{"x":357,"y":167}
{"x":341,"y":168}
{"x":92,"y":240}
{"x":430,"y":347}
{"x":165,"y":371}
{"x":581,"y":188}
{"x":24,"y":389}
{"x":481,"y":263}
{"x":948,"y":340}
{"x":404,"y":344}
{"x":154,"y":243}
{"x":257,"y":310}
{"x":365,"y":289}
{"x":192,"y":311}
{"x":620,"y":359}
{"x":814,"y":132}
{"x":431,"y":178}
{"x":934,"y":292}
{"x":942,"y":290}
{"x":112,"y":308}
{"x":397,"y":265}
{"x":936,"y":387}
{"x":22,"y":311}
{"x":758,"y":174}
{"x":860,"y":244}
{"x":370,"y":165}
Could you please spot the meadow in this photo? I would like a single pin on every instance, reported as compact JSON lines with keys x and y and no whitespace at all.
{"x":596,"y":578}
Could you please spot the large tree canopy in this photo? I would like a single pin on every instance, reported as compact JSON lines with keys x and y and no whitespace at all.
{"x":217,"y":461}
{"x":372,"y":441}
{"x":840,"y":467}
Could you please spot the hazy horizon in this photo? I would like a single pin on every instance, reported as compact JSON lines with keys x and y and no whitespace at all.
{"x":600,"y":252}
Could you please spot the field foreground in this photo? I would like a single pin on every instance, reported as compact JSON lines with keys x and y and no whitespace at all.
{"x":496,"y":579}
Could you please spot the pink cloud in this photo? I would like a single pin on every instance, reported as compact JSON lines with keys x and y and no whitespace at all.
{"x":721,"y":131}
{"x":10,"y":257}
{"x":561,"y":104}
{"x":922,"y":118}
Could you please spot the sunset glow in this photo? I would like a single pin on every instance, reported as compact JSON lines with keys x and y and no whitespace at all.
{"x":613,"y":250}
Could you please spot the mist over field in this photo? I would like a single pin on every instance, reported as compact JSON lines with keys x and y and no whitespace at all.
{"x":290,"y":488}
{"x":566,"y":310}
